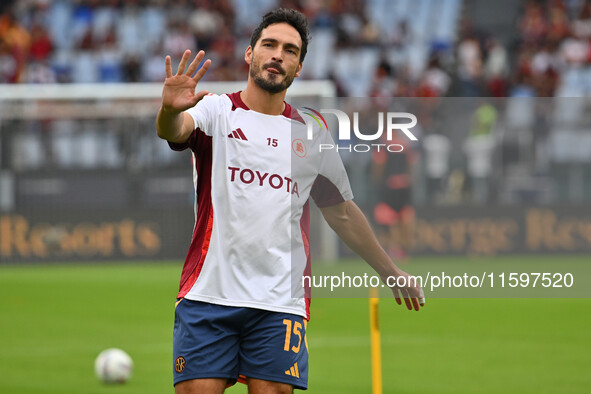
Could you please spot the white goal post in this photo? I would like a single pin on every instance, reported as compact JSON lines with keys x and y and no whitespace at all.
{"x":126,"y":100}
{"x":124,"y":91}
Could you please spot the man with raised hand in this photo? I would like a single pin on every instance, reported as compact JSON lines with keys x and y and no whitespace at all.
{"x":238,"y":314}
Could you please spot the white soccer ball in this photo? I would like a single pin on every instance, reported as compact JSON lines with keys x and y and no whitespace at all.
{"x":113,"y":366}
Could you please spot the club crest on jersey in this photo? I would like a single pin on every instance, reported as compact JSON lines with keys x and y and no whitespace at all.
{"x":263,"y":179}
{"x":238,"y":134}
{"x":299,"y":148}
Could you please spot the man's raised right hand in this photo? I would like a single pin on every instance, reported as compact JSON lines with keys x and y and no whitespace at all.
{"x":178,"y":93}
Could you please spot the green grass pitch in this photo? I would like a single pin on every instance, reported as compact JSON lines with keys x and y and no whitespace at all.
{"x":54,"y":320}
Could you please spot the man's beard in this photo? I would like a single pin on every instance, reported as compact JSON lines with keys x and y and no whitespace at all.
{"x":267,"y":84}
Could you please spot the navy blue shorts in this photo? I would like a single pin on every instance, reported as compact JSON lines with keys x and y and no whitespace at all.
{"x":216,"y":341}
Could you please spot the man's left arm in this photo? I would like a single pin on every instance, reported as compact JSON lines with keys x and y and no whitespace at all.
{"x":347,"y":220}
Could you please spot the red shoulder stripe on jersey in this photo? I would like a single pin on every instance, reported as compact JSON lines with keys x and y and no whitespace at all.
{"x":325,"y":193}
{"x":192,"y":142}
{"x":237,"y":101}
{"x":305,"y":229}
{"x":204,"y":218}
{"x":292,"y":113}
{"x":204,"y":248}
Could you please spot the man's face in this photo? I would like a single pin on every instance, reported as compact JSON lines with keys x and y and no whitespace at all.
{"x":275,"y":59}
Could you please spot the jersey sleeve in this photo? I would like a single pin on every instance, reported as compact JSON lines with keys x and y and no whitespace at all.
{"x":203,"y":115}
{"x":331,"y":186}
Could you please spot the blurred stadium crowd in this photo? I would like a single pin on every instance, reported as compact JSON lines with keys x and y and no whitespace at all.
{"x":124,"y":41}
{"x":415,"y":48}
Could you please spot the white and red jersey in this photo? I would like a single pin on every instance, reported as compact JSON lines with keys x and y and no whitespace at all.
{"x":253,"y":176}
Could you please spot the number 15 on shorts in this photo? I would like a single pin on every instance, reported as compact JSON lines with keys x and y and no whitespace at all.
{"x":294,"y":328}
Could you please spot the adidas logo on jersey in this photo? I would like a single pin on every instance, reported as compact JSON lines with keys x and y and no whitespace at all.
{"x":238,"y":134}
{"x":293,"y":371}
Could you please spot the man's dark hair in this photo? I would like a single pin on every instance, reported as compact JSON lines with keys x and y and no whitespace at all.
{"x":283,"y":15}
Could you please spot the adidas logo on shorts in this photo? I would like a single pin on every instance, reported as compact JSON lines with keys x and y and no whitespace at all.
{"x":293,"y":371}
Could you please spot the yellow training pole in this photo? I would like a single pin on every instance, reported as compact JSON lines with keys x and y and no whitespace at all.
{"x":376,"y":351}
